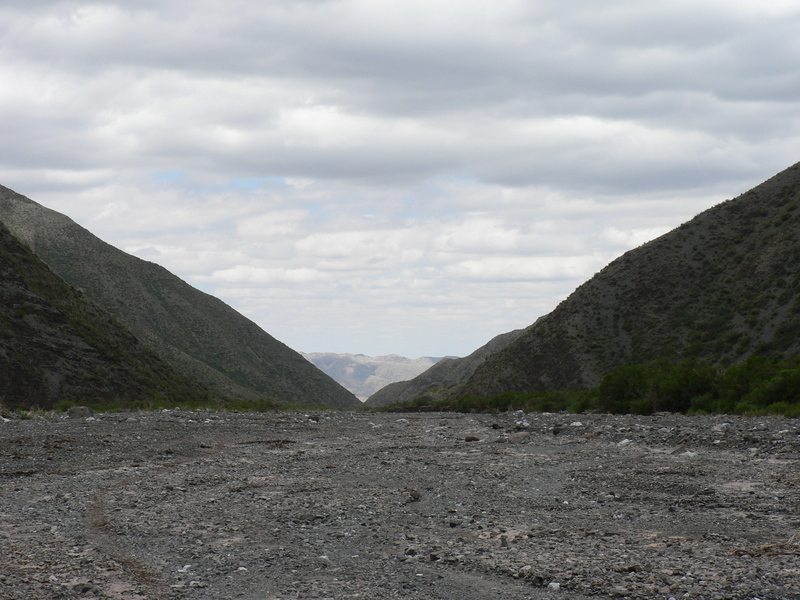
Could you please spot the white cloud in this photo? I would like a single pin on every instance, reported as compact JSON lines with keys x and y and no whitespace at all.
{"x":250,"y":274}
{"x":632,"y":238}
{"x":392,"y":177}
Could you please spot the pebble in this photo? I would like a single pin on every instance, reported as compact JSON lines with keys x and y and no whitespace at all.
{"x":572,"y":514}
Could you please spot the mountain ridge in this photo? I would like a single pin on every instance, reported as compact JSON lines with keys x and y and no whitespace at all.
{"x":364,"y":375}
{"x":57,"y":347}
{"x":447,"y":372}
{"x":721,"y":287}
{"x":196,"y":333}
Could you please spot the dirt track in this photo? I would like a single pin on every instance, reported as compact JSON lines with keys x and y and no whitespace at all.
{"x":356,"y":505}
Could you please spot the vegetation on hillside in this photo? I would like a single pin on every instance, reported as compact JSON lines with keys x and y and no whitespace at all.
{"x":198,"y":335}
{"x":720,"y":288}
{"x":758,"y":385}
{"x":56,"y":347}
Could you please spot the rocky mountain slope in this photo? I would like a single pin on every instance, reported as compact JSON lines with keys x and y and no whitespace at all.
{"x":197,"y":334}
{"x":56,"y":346}
{"x":721,"y":287}
{"x":364,"y":375}
{"x":445,"y":373}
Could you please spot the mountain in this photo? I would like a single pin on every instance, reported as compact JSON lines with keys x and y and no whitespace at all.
{"x":441,"y":376}
{"x":199,"y":335}
{"x":57,"y":346}
{"x":364,"y":375}
{"x":721,"y":287}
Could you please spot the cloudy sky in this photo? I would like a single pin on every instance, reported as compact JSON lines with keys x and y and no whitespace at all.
{"x":378,"y":176}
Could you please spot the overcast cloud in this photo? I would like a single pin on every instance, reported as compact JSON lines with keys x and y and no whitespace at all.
{"x":383,"y":176}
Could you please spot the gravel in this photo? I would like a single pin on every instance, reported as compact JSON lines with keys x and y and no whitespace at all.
{"x":174,"y":505}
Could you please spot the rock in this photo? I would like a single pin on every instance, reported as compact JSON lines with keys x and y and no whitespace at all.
{"x":455,"y":521}
{"x":553,"y":587}
{"x":472,"y":438}
{"x":520,"y":437}
{"x":249,"y":516}
{"x":524,"y":572}
{"x":86,"y":588}
{"x":80,"y":412}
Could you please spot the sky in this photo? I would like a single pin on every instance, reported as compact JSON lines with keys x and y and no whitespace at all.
{"x":376,"y":176}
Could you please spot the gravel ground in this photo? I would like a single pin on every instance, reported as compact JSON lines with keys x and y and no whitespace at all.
{"x":180,"y":505}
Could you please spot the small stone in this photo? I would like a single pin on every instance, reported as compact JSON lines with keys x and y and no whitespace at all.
{"x":415,"y":495}
{"x":86,"y":588}
{"x":520,"y":437}
{"x":524,"y":572}
{"x":553,"y":587}
{"x":472,"y":438}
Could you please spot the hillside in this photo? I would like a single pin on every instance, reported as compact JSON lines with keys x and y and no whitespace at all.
{"x":445,"y":373}
{"x":721,"y":287}
{"x":364,"y":375}
{"x":197,"y":334}
{"x":56,"y":346}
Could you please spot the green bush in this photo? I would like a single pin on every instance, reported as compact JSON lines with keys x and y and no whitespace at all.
{"x":758,"y":385}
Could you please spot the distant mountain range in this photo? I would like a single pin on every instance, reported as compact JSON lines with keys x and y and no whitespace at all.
{"x":721,"y":287}
{"x":365,"y":375}
{"x":198,"y":335}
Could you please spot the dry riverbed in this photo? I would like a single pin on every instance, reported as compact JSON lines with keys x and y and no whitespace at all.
{"x":180,"y":505}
